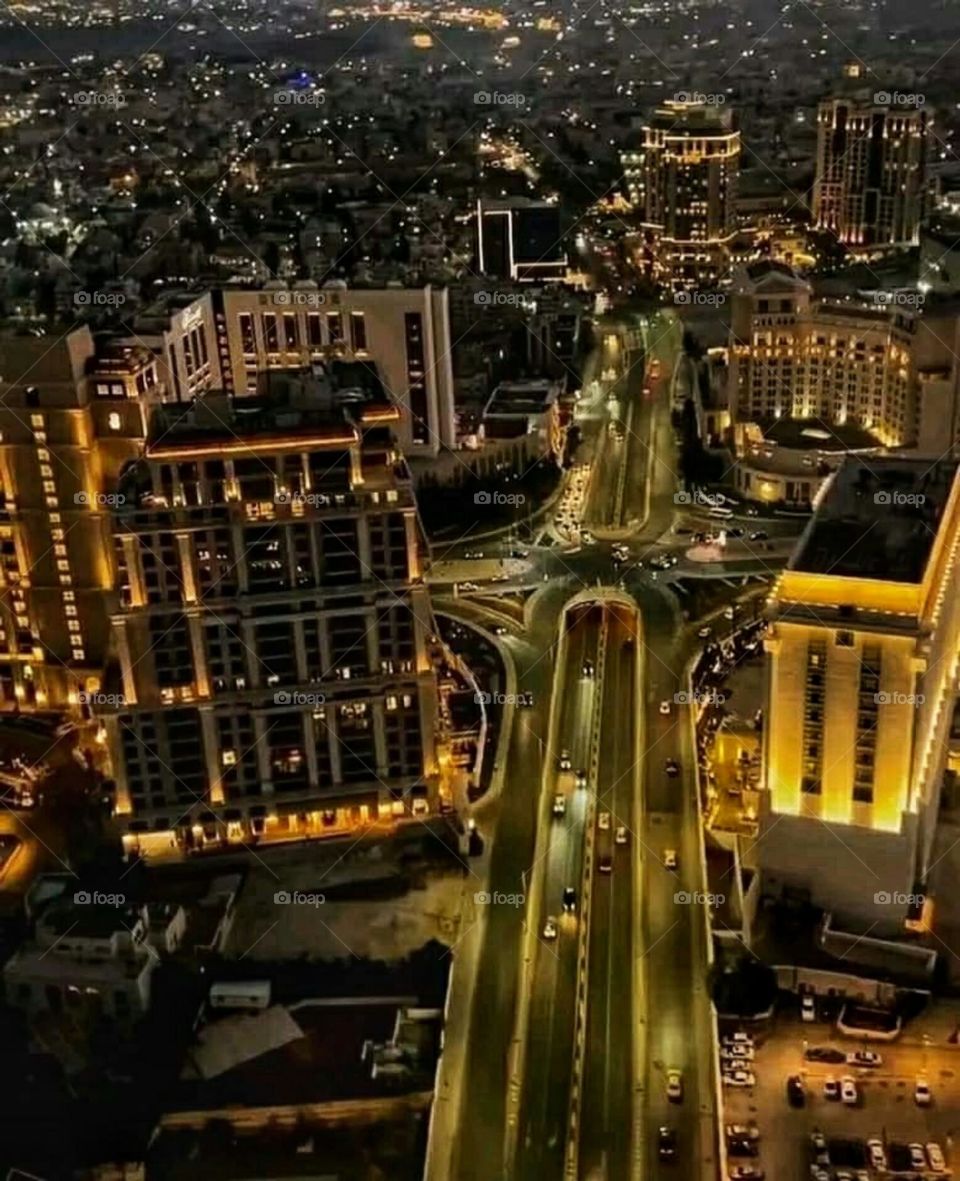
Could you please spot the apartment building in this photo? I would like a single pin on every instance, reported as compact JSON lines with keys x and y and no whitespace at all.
{"x":871,"y":171}
{"x":862,"y":661}
{"x":224,"y":339}
{"x":793,"y":355}
{"x":70,"y":418}
{"x":272,"y":625}
{"x":682,"y":181}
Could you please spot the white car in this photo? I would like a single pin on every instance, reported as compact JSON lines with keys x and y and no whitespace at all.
{"x":922,"y":1094}
{"x":864,"y":1058}
{"x":744,"y":1053}
{"x":669,"y":859}
{"x":559,"y":805}
{"x":818,"y":1142}
{"x":848,"y":1091}
{"x":581,"y":778}
{"x":877,"y":1154}
{"x":936,"y":1158}
{"x":738,"y":1037}
{"x":665,"y":707}
{"x":742,"y":1132}
{"x":831,"y":1088}
{"x":739,"y":1078}
{"x":620,"y":836}
{"x":918,"y":1158}
{"x":808,"y":1008}
{"x":603,"y":821}
{"x":674,"y":1086}
{"x":565,"y":763}
{"x":550,"y":927}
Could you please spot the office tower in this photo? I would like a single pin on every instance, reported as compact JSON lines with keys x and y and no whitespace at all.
{"x":226,"y":338}
{"x":70,"y":418}
{"x":522,"y":240}
{"x":871,"y":171}
{"x":272,"y":628}
{"x":862,"y":659}
{"x":793,"y":355}
{"x":682,"y":180}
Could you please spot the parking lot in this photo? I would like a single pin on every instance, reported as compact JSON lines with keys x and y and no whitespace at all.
{"x":886,"y":1108}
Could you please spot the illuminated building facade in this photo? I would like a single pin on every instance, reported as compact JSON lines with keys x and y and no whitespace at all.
{"x":225,"y":339}
{"x":792,"y":355}
{"x":871,"y":171}
{"x":862,"y":661}
{"x":272,"y":629}
{"x":70,"y":418}
{"x":682,"y":180}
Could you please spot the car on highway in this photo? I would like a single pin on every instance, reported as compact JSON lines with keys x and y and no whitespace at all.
{"x":500,"y":630}
{"x":864,"y":1058}
{"x":831,"y":1088}
{"x":739,"y":1078}
{"x":672,"y":768}
{"x":669,"y":859}
{"x":603,"y":821}
{"x":848,"y":1091}
{"x":565,"y":763}
{"x":550,"y":927}
{"x":808,"y":1008}
{"x":581,"y":777}
{"x":936,"y":1158}
{"x":824,"y":1054}
{"x":620,"y":836}
{"x":605,"y":864}
{"x":705,"y":632}
{"x":796,"y":1091}
{"x":587,"y":669}
{"x":918,"y":1158}
{"x":569,"y":899}
{"x":667,"y":1144}
{"x":922,"y":1095}
{"x":675,"y":1086}
{"x":465,"y":586}
{"x":746,"y":1173}
{"x":587,"y":537}
{"x":759,"y":535}
{"x":473,"y":554}
{"x":502,"y":577}
{"x":876,"y":1154}
{"x":559,"y":804}
{"x":665,"y":706}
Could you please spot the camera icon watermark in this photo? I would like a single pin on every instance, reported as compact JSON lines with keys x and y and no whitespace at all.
{"x":698,"y":697}
{"x":499,"y":498}
{"x":497,"y":98}
{"x":298,"y":299}
{"x":99,"y":299}
{"x":905,"y":299}
{"x":98,"y":898}
{"x":295,"y":697}
{"x":299,"y":98}
{"x":99,"y":499}
{"x":490,"y":299}
{"x":696,"y":898}
{"x":114,"y":700}
{"x":699,"y":99}
{"x":485,"y":898}
{"x":98,"y":98}
{"x":298,"y":898}
{"x":521,"y":699}
{"x":887,"y":698}
{"x":699,"y":298}
{"x":898,"y":98}
{"x":912,"y":499}
{"x":895,"y":898}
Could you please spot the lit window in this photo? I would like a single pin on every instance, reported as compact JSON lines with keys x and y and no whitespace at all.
{"x":113,"y":421}
{"x":63,"y":565}
{"x":36,"y":420}
{"x":229,"y":758}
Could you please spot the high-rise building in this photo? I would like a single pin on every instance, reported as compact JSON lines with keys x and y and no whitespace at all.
{"x":521,"y":240}
{"x":682,"y":180}
{"x":225,"y":339}
{"x":862,"y":660}
{"x":871,"y":171}
{"x":793,"y":355}
{"x":70,"y":418}
{"x":272,"y":629}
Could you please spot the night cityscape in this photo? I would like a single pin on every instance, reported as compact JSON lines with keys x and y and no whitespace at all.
{"x":480,"y":590}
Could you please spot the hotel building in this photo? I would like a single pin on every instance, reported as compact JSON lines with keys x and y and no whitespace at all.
{"x":682,"y":180}
{"x":272,"y":628}
{"x":792,"y":355}
{"x":871,"y":171}
{"x":862,"y":661}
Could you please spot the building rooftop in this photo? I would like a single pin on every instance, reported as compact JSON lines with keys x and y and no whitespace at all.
{"x":877,"y":520}
{"x":814,"y":434}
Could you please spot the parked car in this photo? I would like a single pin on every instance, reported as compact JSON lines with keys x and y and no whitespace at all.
{"x":922,"y":1095}
{"x":744,"y":1053}
{"x":667,"y":1144}
{"x":796,"y":1091}
{"x":808,"y":1008}
{"x":918,"y":1158}
{"x":936,"y":1158}
{"x":864,"y":1058}
{"x":739,"y":1078}
{"x":877,"y":1154}
{"x":818,"y":1142}
{"x":831,"y":1088}
{"x":742,"y":1132}
{"x":824,"y":1054}
{"x":848,"y":1091}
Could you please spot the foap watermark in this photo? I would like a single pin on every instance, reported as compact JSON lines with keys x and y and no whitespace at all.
{"x":898,"y":98}
{"x":899,"y":299}
{"x":313,"y":499}
{"x":99,"y":299}
{"x":700,"y":298}
{"x":299,"y":98}
{"x":99,"y":98}
{"x":499,"y":498}
{"x":116,"y":700}
{"x":698,"y":697}
{"x":696,"y":898}
{"x":98,"y":898}
{"x":99,"y":499}
{"x":298,"y":299}
{"x":698,"y":498}
{"x":295,"y":697}
{"x":499,"y":299}
{"x":888,"y":698}
{"x":698,"y":98}
{"x":525,"y":699}
{"x":913,"y":499}
{"x":298,"y":898}
{"x":499,"y":98}
{"x":486,"y":898}
{"x":895,"y":898}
